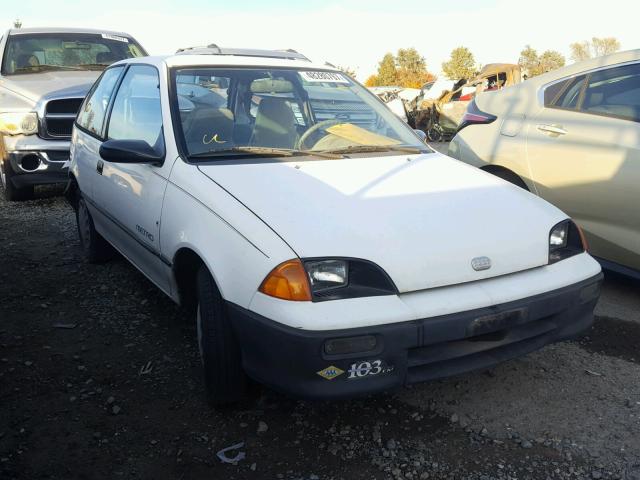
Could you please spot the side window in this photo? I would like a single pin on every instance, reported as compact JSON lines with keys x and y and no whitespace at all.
{"x":136,"y":113}
{"x":552,"y":92}
{"x":614,"y":92}
{"x":570,"y":95}
{"x":92,"y":114}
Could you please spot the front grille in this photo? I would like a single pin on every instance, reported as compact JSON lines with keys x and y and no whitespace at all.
{"x":59,"y":116}
{"x":64,"y":105}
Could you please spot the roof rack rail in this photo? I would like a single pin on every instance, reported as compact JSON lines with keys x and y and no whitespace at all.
{"x":213,"y":49}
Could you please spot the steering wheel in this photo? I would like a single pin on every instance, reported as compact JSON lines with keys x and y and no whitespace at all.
{"x":320,"y":125}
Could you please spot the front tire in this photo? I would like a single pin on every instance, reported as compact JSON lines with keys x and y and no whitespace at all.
{"x":95,"y":248}
{"x":11,"y":192}
{"x":225,"y":379}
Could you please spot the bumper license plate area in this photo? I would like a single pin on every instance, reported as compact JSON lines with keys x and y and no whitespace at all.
{"x":496,"y":324}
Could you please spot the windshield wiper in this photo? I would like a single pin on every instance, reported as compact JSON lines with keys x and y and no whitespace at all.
{"x":45,"y":66}
{"x":90,"y":66}
{"x":264,"y":151}
{"x":374,"y":148}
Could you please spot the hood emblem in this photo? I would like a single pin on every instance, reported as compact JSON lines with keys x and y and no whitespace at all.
{"x":481,"y":263}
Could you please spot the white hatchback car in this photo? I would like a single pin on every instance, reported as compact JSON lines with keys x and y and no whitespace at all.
{"x":325,"y":250}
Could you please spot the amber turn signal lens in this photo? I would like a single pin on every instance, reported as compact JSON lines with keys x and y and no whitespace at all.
{"x":288,"y":281}
{"x":585,"y":245}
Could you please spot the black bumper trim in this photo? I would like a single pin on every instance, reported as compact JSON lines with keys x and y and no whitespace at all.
{"x":44,"y":178}
{"x":288,"y":359}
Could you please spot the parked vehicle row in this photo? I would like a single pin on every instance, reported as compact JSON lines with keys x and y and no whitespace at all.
{"x":45,"y":75}
{"x":572,"y":136}
{"x":322,"y":247}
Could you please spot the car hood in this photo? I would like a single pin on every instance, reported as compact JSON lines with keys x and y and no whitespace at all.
{"x":422,"y":218}
{"x":35,"y":86}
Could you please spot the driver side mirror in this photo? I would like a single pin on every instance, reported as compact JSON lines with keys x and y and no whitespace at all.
{"x":130,"y":151}
{"x":421,"y":134}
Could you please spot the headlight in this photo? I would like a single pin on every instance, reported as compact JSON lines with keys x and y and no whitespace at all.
{"x":565,"y":240}
{"x":320,"y":279}
{"x":16,"y":123}
{"x":327,"y":274}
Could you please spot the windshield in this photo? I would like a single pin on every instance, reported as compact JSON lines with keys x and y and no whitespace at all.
{"x":226,"y":110}
{"x":32,"y":53}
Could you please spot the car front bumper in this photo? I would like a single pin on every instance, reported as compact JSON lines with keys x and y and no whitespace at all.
{"x":295,"y":361}
{"x":36,"y":161}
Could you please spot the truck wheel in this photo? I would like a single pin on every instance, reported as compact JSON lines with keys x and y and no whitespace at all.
{"x":96,"y":249}
{"x":225,"y":379}
{"x":11,"y":193}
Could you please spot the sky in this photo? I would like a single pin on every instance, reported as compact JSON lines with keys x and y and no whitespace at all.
{"x":348,"y":33}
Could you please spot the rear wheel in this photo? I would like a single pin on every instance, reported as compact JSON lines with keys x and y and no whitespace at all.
{"x":225,"y":379}
{"x":12,"y":193}
{"x":96,"y":249}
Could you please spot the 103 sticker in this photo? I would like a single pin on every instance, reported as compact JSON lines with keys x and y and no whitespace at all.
{"x":368,"y":369}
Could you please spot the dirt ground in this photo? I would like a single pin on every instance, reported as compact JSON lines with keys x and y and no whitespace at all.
{"x":100,"y":378}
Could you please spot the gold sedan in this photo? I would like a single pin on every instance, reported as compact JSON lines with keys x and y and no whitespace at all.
{"x":571,"y":136}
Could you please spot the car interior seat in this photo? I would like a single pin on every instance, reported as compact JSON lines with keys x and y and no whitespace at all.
{"x":275,"y":124}
{"x":27,"y":60}
{"x":208,"y":129}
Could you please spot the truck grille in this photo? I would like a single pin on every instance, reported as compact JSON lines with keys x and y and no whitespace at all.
{"x":59,"y":116}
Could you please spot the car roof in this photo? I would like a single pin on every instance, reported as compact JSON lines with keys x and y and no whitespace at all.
{"x":24,"y":31}
{"x":217,"y":60}
{"x":587,"y":65}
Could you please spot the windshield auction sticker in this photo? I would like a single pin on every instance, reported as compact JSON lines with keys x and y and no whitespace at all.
{"x":115,"y":37}
{"x":323,"y":77}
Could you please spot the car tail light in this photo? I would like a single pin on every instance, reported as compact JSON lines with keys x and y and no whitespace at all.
{"x":475,"y":116}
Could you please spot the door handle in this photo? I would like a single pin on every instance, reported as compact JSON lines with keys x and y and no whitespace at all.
{"x":99,"y":167}
{"x":553,"y":130}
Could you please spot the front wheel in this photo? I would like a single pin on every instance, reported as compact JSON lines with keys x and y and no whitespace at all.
{"x":225,"y":379}
{"x":96,"y":249}
{"x":11,"y":192}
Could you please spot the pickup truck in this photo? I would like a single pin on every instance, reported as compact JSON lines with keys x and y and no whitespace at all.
{"x":45,"y":74}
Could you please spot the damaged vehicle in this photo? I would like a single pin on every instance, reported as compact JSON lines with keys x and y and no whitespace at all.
{"x":45,"y":74}
{"x":321,"y":247}
{"x":440,"y":116}
{"x":401,"y":101}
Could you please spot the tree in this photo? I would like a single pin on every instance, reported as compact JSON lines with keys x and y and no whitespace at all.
{"x":604,"y":46}
{"x":371,"y":81}
{"x":387,"y":71}
{"x":412,"y":68}
{"x":408,"y":69}
{"x":17,"y":23}
{"x":580,"y":51}
{"x":533,"y":64}
{"x":594,"y":48}
{"x":529,"y":60}
{"x":550,"y":60}
{"x":460,"y":65}
{"x":348,"y":71}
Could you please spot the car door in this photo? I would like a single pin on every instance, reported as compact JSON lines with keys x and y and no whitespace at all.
{"x":131,"y":194}
{"x":89,"y":131}
{"x":584,"y":152}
